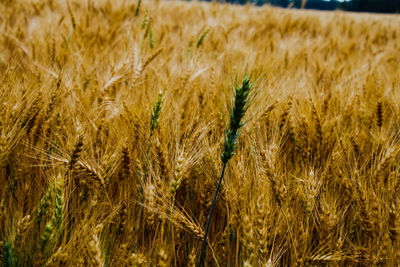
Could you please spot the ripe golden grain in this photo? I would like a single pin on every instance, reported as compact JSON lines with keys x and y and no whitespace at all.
{"x":315,"y":179}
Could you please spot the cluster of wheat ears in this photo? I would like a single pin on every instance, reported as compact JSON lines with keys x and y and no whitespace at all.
{"x":114,"y":116}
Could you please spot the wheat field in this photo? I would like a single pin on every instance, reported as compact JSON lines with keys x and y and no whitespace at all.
{"x":112,"y":125}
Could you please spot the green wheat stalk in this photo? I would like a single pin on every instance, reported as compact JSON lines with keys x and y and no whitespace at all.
{"x":201,"y":39}
{"x":155,"y":116}
{"x":138,"y":8}
{"x":240,"y":107}
{"x":8,"y":257}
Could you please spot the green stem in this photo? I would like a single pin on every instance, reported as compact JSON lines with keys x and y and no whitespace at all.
{"x":146,"y":169}
{"x":203,"y":247}
{"x":138,"y":8}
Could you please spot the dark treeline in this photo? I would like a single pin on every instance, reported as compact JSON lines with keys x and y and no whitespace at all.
{"x":381,"y":6}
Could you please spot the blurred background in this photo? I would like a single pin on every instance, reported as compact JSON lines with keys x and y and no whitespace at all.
{"x":379,"y":6}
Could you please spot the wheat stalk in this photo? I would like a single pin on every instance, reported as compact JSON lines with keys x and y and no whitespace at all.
{"x":239,"y":109}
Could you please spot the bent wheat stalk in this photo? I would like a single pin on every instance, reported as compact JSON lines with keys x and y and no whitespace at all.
{"x":239,"y":109}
